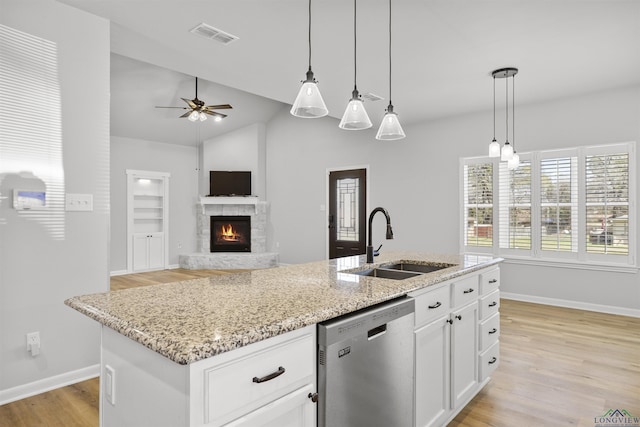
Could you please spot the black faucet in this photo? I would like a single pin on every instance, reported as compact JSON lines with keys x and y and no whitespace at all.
{"x":370,"y":252}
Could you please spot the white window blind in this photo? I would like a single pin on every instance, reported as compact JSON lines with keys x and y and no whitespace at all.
{"x":515,"y":206}
{"x":607,"y":203}
{"x":558,"y":204}
{"x":478,"y":204}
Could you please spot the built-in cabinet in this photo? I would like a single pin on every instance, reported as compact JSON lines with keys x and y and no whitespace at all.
{"x":147,"y":220}
{"x":456,"y":344}
{"x":268,"y":383}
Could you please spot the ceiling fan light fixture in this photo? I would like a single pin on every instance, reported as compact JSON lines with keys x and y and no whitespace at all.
{"x":217,"y":119}
{"x":390,"y":128}
{"x":202,"y":116}
{"x":194,"y":116}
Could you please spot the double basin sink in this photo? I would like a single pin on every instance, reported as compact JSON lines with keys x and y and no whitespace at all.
{"x":401,"y":270}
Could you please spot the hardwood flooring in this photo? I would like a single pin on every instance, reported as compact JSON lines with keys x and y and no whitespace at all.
{"x":558,"y":367}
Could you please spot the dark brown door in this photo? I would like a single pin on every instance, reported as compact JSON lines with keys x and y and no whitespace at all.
{"x":347,"y":212}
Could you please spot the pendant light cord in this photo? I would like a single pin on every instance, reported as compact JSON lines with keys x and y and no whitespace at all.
{"x":506,"y":81}
{"x":355,"y":46}
{"x":390,"y":52}
{"x":513,"y":109}
{"x":309,"y":34}
{"x":494,"y":107}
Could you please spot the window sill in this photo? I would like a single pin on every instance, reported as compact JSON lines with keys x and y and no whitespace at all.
{"x":618,"y":268}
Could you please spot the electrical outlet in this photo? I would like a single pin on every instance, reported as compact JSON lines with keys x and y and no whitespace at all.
{"x":33,"y":343}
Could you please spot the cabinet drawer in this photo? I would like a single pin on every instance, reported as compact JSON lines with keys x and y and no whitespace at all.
{"x":244,"y":384}
{"x":489,"y":304}
{"x":489,"y":361}
{"x":432,"y":304}
{"x":465,"y":290}
{"x":489,"y":332}
{"x":489,"y":281}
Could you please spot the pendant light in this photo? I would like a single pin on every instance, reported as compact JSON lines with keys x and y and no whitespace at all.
{"x":494,"y":147}
{"x":390,"y":127}
{"x":504,"y":73}
{"x":309,"y":103}
{"x":355,"y":116}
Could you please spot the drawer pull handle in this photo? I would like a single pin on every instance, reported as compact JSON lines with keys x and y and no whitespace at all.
{"x":492,"y":361}
{"x":313,"y":397}
{"x":493,"y":304}
{"x":493,"y":331}
{"x":269,"y":377}
{"x":436,"y":305}
{"x":468,"y":291}
{"x":493,"y":280}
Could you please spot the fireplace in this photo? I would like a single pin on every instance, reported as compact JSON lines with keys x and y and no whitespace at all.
{"x":230,"y":234}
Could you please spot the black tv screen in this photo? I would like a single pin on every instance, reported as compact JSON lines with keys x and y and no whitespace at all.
{"x":229,"y":183}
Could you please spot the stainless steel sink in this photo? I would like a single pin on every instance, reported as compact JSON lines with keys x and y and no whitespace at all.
{"x":384,"y":273}
{"x":416,"y":268}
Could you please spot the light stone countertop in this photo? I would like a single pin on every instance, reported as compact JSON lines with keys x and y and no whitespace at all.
{"x":195,"y":319}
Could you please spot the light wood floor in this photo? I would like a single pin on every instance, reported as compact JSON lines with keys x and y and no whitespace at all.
{"x":559,"y":367}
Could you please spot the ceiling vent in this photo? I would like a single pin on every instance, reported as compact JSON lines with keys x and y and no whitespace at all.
{"x":212,"y":33}
{"x":371,"y":96}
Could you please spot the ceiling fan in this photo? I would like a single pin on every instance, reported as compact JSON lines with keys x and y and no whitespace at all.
{"x":198,"y":111}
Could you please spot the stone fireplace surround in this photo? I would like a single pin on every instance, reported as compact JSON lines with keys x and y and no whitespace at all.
{"x":231,"y":206}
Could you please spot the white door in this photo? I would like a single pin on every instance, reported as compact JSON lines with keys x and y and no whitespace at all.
{"x":140,"y":252}
{"x":464,"y":353}
{"x":156,"y":250}
{"x":432,"y":373}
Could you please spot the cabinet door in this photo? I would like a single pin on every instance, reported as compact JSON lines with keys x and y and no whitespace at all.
{"x":293,"y":410}
{"x":432,"y":373}
{"x":156,"y":250}
{"x":464,"y":344}
{"x":140,"y":252}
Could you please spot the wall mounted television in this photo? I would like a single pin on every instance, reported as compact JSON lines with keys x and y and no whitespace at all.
{"x":229,"y":183}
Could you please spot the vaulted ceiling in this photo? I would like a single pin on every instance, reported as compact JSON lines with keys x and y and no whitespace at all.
{"x":443,"y":55}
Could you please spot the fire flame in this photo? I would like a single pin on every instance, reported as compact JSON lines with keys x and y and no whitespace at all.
{"x":229,"y":234}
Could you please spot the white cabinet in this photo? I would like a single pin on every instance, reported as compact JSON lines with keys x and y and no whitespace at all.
{"x":147,"y":220}
{"x":269,"y":383}
{"x":433,"y":352}
{"x":456,"y":347}
{"x":464,"y":354}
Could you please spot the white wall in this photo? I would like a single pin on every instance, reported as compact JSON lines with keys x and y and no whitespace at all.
{"x":39,"y":269}
{"x":240,"y":150}
{"x":417,"y":180}
{"x":181,"y":162}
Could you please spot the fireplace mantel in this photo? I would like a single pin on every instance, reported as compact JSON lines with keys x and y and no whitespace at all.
{"x":228,"y":200}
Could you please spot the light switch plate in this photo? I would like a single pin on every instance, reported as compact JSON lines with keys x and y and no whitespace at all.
{"x":79,"y":202}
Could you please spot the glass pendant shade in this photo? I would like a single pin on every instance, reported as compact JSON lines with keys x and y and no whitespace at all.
{"x":193,"y":116}
{"x":390,"y":128}
{"x":309,"y":103}
{"x":494,"y":149}
{"x":202,"y":116}
{"x":507,"y":152}
{"x":355,"y":116}
{"x":514,"y":162}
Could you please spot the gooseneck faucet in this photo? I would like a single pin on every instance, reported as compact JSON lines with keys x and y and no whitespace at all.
{"x":370,"y":252}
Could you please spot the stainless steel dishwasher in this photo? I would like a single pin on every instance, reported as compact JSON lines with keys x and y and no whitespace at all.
{"x":365,"y":367}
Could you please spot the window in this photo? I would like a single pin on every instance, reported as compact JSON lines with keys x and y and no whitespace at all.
{"x":478,"y":204}
{"x":573,"y":205}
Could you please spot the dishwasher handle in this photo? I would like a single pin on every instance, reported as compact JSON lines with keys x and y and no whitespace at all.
{"x":376,"y":332}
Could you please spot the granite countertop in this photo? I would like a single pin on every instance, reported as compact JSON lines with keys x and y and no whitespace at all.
{"x":195,"y":319}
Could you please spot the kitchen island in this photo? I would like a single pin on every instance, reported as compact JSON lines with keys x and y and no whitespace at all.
{"x":187,"y":341}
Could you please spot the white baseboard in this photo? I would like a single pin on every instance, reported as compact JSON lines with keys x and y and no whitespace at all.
{"x":47,"y":384}
{"x":622,"y":311}
{"x":119,"y":272}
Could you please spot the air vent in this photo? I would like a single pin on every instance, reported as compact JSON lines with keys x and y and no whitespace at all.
{"x":212,"y":33}
{"x":322,"y":357}
{"x":371,"y":96}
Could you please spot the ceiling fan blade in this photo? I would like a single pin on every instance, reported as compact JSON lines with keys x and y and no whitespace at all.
{"x":190,"y":103}
{"x":219,"y":107}
{"x":214,"y":113}
{"x":185,"y":114}
{"x":182,"y":108}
